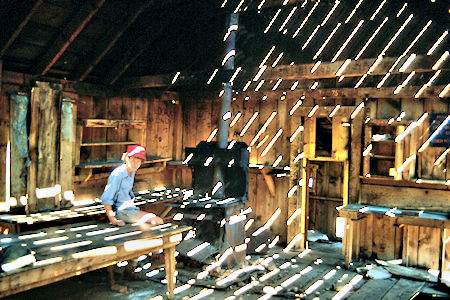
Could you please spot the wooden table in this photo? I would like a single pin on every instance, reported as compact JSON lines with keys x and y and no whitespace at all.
{"x":65,"y":251}
{"x":438,"y":221}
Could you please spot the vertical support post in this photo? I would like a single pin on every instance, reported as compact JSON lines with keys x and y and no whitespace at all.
{"x":445,"y":260}
{"x":345,"y":184}
{"x":33,"y":151}
{"x":296,"y":169}
{"x":305,"y":204}
{"x":4,"y":141}
{"x":222,"y":137}
{"x":18,"y":148}
{"x":67,"y":150}
{"x":169,"y":257}
{"x":399,"y":159}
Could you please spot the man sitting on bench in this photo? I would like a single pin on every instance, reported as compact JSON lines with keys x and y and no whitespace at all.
{"x":118,"y":197}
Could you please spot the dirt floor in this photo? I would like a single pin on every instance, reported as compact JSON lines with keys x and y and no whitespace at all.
{"x":315,"y":274}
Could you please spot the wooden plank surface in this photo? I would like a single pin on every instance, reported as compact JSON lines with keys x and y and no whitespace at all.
{"x":33,"y":150}
{"x":373,"y":289}
{"x":429,"y":247}
{"x":405,"y":197}
{"x":47,"y":143}
{"x":18,"y":145}
{"x":67,"y":149}
{"x":404,"y":289}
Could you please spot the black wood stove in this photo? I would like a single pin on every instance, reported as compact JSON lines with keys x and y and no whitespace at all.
{"x":220,"y":189}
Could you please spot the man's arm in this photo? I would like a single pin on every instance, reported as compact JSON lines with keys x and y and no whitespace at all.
{"x":108,"y":198}
{"x":112,"y":216}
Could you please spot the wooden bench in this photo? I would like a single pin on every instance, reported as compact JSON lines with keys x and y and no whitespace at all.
{"x":10,"y":223}
{"x":65,"y":251}
{"x":364,"y":223}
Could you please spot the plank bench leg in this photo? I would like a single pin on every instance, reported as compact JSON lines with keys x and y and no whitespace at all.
{"x":112,"y":283}
{"x":169,"y":255}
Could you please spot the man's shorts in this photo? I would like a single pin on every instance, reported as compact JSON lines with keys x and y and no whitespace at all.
{"x":128,"y":215}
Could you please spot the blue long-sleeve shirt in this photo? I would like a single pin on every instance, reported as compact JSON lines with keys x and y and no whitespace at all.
{"x":118,"y":191}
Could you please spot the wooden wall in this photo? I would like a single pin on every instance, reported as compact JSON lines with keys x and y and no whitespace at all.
{"x":408,"y":191}
{"x":176,"y":122}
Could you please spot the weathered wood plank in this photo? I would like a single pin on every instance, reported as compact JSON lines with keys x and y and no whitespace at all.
{"x":33,"y":151}
{"x":411,"y":246}
{"x":47,"y":166}
{"x":4,"y":137}
{"x":405,"y":197}
{"x":373,"y":289}
{"x":355,"y":160}
{"x":429,"y":247}
{"x":67,"y":148}
{"x":445,"y":271}
{"x":18,"y":145}
{"x":177,"y":150}
{"x":404,"y":289}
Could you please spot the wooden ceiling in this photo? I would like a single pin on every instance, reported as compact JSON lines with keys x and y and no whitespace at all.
{"x":144,"y":43}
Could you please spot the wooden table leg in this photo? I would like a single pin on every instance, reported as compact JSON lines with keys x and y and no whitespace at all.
{"x":169,"y":255}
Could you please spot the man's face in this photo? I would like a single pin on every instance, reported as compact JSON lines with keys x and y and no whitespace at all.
{"x":134,"y":163}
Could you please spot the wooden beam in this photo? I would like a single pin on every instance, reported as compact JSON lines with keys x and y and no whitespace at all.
{"x":358,"y":68}
{"x":296,"y":170}
{"x":269,"y":181}
{"x":355,"y":68}
{"x":4,"y":137}
{"x":67,"y":146}
{"x":109,"y":40}
{"x":33,"y":151}
{"x":388,"y":92}
{"x":18,"y":144}
{"x":67,"y":36}
{"x":23,"y":18}
{"x":305,"y":204}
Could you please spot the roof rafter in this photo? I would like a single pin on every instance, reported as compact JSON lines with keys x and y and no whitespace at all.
{"x":23,"y":20}
{"x":67,"y":36}
{"x":109,"y":41}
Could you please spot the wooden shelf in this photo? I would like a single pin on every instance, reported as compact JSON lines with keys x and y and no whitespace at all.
{"x":87,"y":144}
{"x":378,"y":156}
{"x":138,"y":124}
{"x":103,"y":164}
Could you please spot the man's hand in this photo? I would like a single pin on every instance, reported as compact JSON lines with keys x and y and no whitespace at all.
{"x":117,"y":222}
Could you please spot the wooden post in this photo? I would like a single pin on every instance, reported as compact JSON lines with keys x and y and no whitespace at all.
{"x":309,"y":144}
{"x":367,"y":141}
{"x":294,"y":202}
{"x":346,"y":182}
{"x":33,"y":151}
{"x":354,"y":158}
{"x":43,"y":147}
{"x":67,"y":149}
{"x":4,"y":138}
{"x":399,"y":147}
{"x":169,"y":256}
{"x":445,"y":261}
{"x":305,"y":204}
{"x":18,"y":145}
{"x":47,"y":145}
